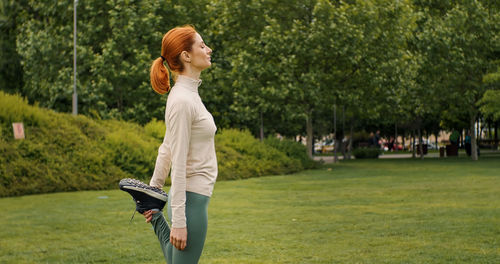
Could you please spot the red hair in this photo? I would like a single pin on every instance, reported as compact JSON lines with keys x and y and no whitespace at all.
{"x":176,"y":40}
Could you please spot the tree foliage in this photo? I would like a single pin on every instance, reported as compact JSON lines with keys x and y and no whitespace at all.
{"x":277,"y":68}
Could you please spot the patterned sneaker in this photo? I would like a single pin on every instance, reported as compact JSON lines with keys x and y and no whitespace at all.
{"x":145,"y":196}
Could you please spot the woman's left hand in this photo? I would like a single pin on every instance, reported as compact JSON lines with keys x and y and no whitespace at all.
{"x":178,"y":238}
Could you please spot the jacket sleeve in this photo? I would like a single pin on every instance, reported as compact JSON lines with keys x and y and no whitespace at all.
{"x":179,"y":118}
{"x":162,"y":166}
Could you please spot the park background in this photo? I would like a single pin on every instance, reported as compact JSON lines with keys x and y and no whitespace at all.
{"x":285,"y":76}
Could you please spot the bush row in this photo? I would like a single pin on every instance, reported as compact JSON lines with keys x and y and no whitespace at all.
{"x":366,"y":153}
{"x":62,"y":152}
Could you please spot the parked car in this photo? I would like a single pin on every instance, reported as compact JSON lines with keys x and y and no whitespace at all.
{"x":324,"y":147}
{"x":317,"y":147}
{"x":396,"y":146}
{"x":432,"y":145}
{"x":328,"y":146}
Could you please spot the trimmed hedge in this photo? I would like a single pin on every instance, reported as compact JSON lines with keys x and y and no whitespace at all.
{"x":62,"y":152}
{"x":294,"y":150}
{"x":242,"y":156}
{"x":366,"y":153}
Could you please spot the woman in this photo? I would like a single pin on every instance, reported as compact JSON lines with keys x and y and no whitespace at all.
{"x":187,"y":149}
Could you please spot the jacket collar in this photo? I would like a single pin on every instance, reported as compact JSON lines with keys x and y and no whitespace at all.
{"x":187,"y":82}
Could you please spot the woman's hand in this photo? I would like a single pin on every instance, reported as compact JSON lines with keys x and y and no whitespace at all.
{"x":178,"y":238}
{"x":149,"y":215}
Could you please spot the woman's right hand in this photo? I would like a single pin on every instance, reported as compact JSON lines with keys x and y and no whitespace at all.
{"x":178,"y":238}
{"x":148,"y":215}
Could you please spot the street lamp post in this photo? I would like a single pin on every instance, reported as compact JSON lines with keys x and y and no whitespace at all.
{"x":75,"y":95}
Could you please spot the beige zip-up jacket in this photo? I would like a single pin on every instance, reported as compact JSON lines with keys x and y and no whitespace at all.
{"x":188,"y":148}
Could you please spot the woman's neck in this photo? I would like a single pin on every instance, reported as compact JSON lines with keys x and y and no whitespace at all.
{"x":191,"y":73}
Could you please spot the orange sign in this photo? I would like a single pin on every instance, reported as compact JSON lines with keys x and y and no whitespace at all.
{"x":18,"y":130}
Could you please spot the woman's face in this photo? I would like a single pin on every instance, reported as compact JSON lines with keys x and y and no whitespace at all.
{"x":200,"y":54}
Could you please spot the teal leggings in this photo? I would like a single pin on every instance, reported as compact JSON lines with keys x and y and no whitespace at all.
{"x":196,"y":220}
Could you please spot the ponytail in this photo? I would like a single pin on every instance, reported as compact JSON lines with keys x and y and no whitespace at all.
{"x":173,"y":43}
{"x":160,"y":79}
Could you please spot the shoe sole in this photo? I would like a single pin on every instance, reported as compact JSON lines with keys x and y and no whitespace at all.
{"x":141,"y":187}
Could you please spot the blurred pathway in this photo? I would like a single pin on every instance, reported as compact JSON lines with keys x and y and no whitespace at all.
{"x":329,"y":159}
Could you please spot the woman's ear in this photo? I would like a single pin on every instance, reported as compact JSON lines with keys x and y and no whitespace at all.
{"x":185,"y":56}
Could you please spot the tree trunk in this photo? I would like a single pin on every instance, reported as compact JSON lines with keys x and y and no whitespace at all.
{"x":490,"y":135}
{"x":496,"y":135}
{"x":478,"y":133}
{"x":336,"y":145}
{"x":473,"y":138}
{"x":345,"y":144}
{"x":395,"y":146}
{"x":421,"y":144}
{"x":436,"y":138}
{"x":403,"y":139}
{"x":414,"y":151}
{"x":349,"y":147}
{"x":309,"y":129}
{"x":461,"y":139}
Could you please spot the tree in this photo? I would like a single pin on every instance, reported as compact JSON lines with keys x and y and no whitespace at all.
{"x":463,"y":46}
{"x":277,"y":68}
{"x":117,"y":41}
{"x":10,"y":67}
{"x":490,"y":103}
{"x":246,"y":60}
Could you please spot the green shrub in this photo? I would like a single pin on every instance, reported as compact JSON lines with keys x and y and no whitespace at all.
{"x":15,"y":109}
{"x":360,"y":139}
{"x":366,"y":153}
{"x":155,"y":129}
{"x":130,"y":149}
{"x":232,"y":165}
{"x":62,"y":152}
{"x":241,"y":156}
{"x":292,"y":149}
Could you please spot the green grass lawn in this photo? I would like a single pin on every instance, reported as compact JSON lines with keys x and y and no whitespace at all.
{"x":360,"y":211}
